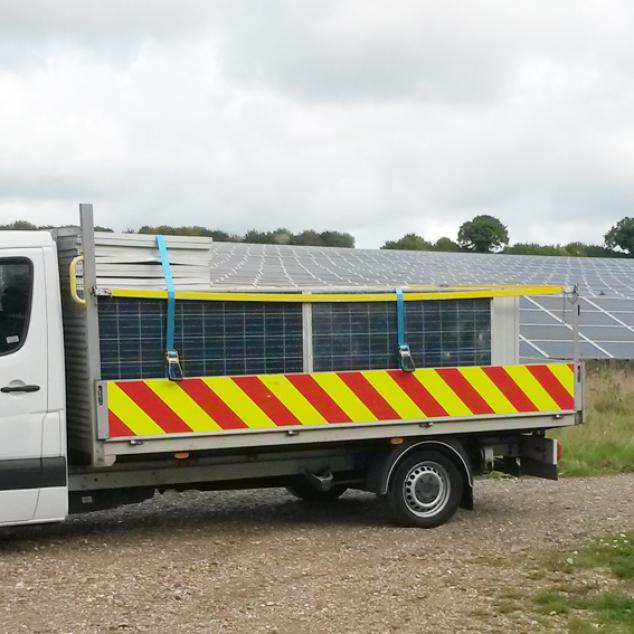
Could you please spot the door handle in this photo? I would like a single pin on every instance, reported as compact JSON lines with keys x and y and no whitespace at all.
{"x":19,"y":388}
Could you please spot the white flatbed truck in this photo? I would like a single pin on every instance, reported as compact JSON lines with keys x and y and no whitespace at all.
{"x":74,"y":438}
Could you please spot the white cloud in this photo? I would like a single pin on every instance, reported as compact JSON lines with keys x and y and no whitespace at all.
{"x":371,"y":117}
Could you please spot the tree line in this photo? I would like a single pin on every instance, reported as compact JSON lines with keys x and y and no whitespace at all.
{"x":481,"y":234}
{"x":308,"y":237}
{"x":487,"y":234}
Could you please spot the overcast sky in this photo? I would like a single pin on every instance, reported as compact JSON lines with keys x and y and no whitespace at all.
{"x":372,"y":117}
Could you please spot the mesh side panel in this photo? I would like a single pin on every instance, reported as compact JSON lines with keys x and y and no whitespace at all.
{"x":363,"y":336}
{"x":212,"y":338}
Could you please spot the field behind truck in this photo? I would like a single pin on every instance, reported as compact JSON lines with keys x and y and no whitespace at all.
{"x":604,"y":444}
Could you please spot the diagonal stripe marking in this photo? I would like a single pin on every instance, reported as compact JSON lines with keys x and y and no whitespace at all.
{"x":211,"y":403}
{"x":488,"y":390}
{"x":552,"y":385}
{"x":396,"y":397}
{"x":438,"y":388}
{"x":116,"y":427}
{"x":511,"y":389}
{"x":255,"y":389}
{"x":344,"y":397}
{"x":370,"y":397}
{"x":418,"y":393}
{"x":565,"y":375}
{"x":532,"y":388}
{"x":465,"y":391}
{"x":183,"y":405}
{"x":236,"y":400}
{"x":293,"y":399}
{"x":169,"y":421}
{"x":319,"y":398}
{"x":130,"y":414}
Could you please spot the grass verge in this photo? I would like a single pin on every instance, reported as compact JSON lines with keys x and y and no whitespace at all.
{"x":604,"y":444}
{"x":603,"y":603}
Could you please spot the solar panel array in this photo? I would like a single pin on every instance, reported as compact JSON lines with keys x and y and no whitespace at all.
{"x":606,"y":286}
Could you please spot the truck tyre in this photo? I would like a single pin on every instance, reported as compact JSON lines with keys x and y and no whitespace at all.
{"x":304,"y":491}
{"x":425,"y":489}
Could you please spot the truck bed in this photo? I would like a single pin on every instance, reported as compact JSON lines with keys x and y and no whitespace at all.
{"x":119,"y":404}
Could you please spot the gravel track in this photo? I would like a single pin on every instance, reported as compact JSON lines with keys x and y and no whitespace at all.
{"x":259,"y":561}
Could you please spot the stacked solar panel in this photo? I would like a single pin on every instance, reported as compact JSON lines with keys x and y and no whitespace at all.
{"x":236,"y":338}
{"x":361,"y":336}
{"x":212,"y":338}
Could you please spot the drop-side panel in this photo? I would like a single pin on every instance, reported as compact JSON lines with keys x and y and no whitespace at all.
{"x":142,"y":411}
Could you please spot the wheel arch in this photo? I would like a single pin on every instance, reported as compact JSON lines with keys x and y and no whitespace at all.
{"x":384,"y":465}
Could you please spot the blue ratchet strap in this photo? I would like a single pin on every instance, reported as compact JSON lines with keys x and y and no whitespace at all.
{"x":404,"y":354}
{"x":174,"y":371}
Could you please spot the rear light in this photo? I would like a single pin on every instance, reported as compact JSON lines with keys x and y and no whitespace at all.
{"x":560,"y":451}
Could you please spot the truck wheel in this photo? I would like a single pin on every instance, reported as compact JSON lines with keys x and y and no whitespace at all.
{"x":305,"y":491}
{"x":425,"y":490}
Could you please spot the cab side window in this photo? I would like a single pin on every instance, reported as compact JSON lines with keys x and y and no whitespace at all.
{"x":16,"y":282}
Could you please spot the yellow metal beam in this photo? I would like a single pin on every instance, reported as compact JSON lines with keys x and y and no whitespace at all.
{"x":482,"y":292}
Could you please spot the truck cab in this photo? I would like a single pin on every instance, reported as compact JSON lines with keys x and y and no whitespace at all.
{"x":33,"y":469}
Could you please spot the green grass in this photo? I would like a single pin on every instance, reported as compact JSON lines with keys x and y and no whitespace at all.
{"x":552,"y":602}
{"x":586,"y":608}
{"x":604,"y":444}
{"x":616,"y":554}
{"x":612,"y":611}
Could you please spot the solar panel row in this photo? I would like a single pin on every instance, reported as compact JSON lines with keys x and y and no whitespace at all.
{"x":606,"y":328}
{"x":280,"y":265}
{"x":606,"y":286}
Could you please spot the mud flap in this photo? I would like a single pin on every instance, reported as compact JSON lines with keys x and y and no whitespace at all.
{"x":538,"y":457}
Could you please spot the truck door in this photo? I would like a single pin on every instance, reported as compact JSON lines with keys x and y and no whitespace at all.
{"x":23,"y":380}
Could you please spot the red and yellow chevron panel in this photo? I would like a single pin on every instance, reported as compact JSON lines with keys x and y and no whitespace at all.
{"x":222,"y":403}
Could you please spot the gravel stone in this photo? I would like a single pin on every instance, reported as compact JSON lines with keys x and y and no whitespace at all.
{"x":262,"y":562}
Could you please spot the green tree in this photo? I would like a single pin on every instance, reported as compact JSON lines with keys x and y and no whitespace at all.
{"x":446,"y":244}
{"x":483,"y":234}
{"x":591,"y":251}
{"x":574,"y":249}
{"x":25,"y":225}
{"x":309,"y":237}
{"x":278,"y":236}
{"x":168,"y":230}
{"x":19,"y":225}
{"x":621,"y":236}
{"x":409,"y":242}
{"x":532,"y":248}
{"x":195,"y":230}
{"x":281,"y":236}
{"x":253,"y":236}
{"x":218,"y":235}
{"x":337,"y":239}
